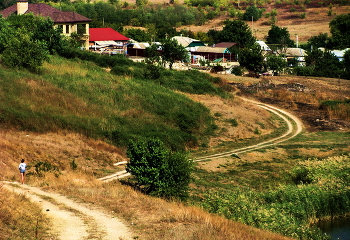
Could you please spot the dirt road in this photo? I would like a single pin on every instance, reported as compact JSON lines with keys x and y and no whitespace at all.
{"x":71,"y":220}
{"x":294,"y":127}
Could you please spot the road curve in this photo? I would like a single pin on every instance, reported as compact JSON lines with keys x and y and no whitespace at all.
{"x":71,"y":220}
{"x":294,"y":127}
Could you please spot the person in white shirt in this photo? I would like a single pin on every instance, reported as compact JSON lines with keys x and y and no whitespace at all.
{"x":22,"y":170}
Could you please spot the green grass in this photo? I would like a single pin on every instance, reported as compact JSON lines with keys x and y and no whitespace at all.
{"x":285,"y":189}
{"x":280,"y":127}
{"x":79,"y":96}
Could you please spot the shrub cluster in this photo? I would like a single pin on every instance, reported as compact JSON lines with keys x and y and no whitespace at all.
{"x":321,"y":190}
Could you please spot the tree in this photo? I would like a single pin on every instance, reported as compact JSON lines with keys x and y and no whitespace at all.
{"x":324,"y":64}
{"x":346,"y":62}
{"x":237,"y":31}
{"x":24,"y":52}
{"x":138,"y":35}
{"x":279,"y":36}
{"x":251,"y":58}
{"x":158,"y":171}
{"x":172,"y":51}
{"x":321,"y":40}
{"x":39,"y":29}
{"x":152,"y":54}
{"x":340,"y":30}
{"x":6,"y":33}
{"x":275,"y":63}
{"x":252,"y":12}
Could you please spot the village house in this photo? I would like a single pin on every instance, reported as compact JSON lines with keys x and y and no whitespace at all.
{"x":68,"y":22}
{"x":107,"y":40}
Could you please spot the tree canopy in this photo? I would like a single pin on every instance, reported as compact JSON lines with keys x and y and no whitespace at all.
{"x":26,"y":40}
{"x":157,"y":170}
{"x":279,"y":36}
{"x":252,"y":13}
{"x":251,"y":58}
{"x":172,"y":51}
{"x":340,"y":30}
{"x":237,"y":31}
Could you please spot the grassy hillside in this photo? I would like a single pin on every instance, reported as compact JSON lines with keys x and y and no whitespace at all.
{"x":81,"y":97}
{"x":49,"y":119}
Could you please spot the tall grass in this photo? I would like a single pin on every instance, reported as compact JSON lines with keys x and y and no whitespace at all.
{"x":151,"y":218}
{"x":19,"y":218}
{"x":321,"y":191}
{"x":337,"y":109}
{"x":79,"y":96}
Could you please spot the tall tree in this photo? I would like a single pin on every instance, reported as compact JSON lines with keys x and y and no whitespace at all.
{"x":279,"y":36}
{"x":172,"y":51}
{"x":252,"y":13}
{"x":237,"y":31}
{"x":251,"y":58}
{"x":340,"y":30}
{"x":321,"y":40}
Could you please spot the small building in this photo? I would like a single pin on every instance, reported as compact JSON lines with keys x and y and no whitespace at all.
{"x":224,"y":44}
{"x":188,"y":43}
{"x":138,"y":49}
{"x":68,"y":22}
{"x":340,"y":53}
{"x":291,"y":53}
{"x":263,"y":46}
{"x":213,"y":53}
{"x":107,"y":40}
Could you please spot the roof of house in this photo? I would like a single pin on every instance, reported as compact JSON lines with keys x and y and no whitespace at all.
{"x":212,"y":49}
{"x":45,"y":10}
{"x":295,"y":52}
{"x":263,"y":46}
{"x":188,"y":42}
{"x":106,"y":34}
{"x":224,"y":44}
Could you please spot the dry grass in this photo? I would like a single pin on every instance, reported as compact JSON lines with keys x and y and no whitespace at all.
{"x":249,"y":117}
{"x":152,"y":218}
{"x":20,"y":218}
{"x":316,"y":21}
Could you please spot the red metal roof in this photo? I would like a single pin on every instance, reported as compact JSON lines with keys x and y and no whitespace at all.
{"x":106,"y":34}
{"x":47,"y":11}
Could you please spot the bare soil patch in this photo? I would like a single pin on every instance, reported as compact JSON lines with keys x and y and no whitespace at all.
{"x":303,"y":100}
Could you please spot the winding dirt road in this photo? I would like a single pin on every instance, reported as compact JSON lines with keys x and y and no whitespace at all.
{"x":71,"y":220}
{"x":78,"y":221}
{"x":294,"y":127}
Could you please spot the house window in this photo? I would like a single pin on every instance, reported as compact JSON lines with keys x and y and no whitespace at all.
{"x":81,"y":29}
{"x":67,"y":28}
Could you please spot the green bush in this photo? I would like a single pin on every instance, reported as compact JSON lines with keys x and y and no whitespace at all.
{"x":252,"y":12}
{"x":288,"y":209}
{"x":24,"y":52}
{"x":303,"y":71}
{"x":158,"y":171}
{"x":238,"y":71}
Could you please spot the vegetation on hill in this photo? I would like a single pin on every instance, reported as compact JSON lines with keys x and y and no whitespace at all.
{"x":79,"y":96}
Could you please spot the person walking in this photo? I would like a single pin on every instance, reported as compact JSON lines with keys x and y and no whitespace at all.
{"x":22,"y":170}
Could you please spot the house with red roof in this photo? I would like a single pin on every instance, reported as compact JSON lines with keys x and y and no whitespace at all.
{"x":68,"y":22}
{"x":107,"y":39}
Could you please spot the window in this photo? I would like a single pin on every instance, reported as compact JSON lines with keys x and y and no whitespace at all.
{"x":67,"y":28}
{"x":81,"y":29}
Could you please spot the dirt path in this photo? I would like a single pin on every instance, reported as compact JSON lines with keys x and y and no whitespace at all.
{"x":294,"y":127}
{"x":71,"y":220}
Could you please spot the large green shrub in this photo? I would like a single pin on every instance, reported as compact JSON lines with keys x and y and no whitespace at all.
{"x":158,"y":171}
{"x":24,"y":52}
{"x":252,"y":13}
